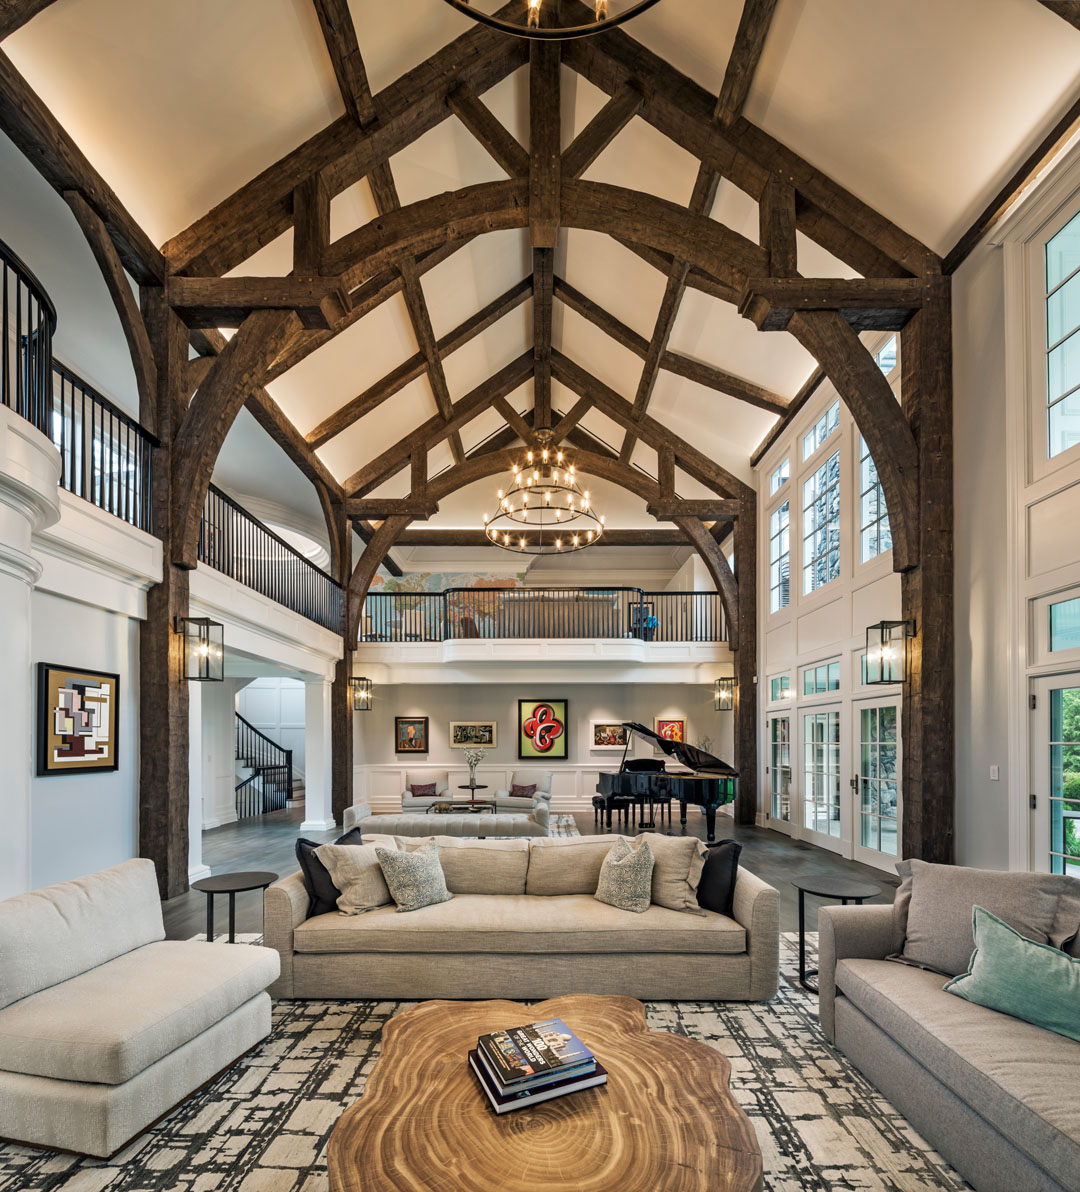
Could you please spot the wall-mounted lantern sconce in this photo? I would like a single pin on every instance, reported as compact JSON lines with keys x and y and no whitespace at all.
{"x":887,"y":651}
{"x":203,"y":657}
{"x":361,"y":694}
{"x":723,"y":694}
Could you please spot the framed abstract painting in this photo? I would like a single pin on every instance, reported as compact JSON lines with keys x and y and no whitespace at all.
{"x":78,"y":720}
{"x":610,"y":735}
{"x":543,"y":730}
{"x":670,"y":728}
{"x":473,"y":734}
{"x":410,"y":734}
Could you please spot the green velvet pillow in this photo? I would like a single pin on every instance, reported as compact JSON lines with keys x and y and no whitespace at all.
{"x":1017,"y":976}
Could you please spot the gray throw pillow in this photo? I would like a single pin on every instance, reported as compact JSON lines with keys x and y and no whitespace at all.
{"x":935,"y":903}
{"x":626,"y":877}
{"x":414,"y":879}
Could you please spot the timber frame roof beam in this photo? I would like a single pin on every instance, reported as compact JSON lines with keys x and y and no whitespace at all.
{"x":868,"y":304}
{"x":15,"y":13}
{"x":1068,"y":10}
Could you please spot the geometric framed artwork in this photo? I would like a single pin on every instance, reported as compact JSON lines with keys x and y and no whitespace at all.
{"x":670,"y":729}
{"x":543,"y":729}
{"x":471,"y":734}
{"x":410,"y":734}
{"x":78,"y":720}
{"x":607,"y":735}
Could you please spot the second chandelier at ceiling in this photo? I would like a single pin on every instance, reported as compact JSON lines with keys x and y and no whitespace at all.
{"x":544,"y":510}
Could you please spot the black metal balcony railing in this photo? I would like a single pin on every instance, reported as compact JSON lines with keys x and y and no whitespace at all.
{"x":241,"y":547}
{"x":28,"y":322}
{"x":106,"y":456}
{"x":543,"y":612}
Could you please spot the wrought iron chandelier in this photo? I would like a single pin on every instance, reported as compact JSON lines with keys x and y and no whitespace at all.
{"x":552,"y":30}
{"x":543,"y":510}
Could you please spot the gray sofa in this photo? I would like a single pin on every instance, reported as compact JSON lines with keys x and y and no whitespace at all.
{"x":523,"y":923}
{"x":997,"y":1097}
{"x":535,"y":821}
{"x":104,"y":1024}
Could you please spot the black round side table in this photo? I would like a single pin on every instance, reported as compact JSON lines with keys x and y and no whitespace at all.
{"x":847,"y":889}
{"x":231,"y":884}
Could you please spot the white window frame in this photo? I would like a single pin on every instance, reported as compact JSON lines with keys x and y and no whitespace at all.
{"x":858,"y":528}
{"x":812,"y":430}
{"x":774,"y":489}
{"x":1039,"y":631}
{"x":774,"y":512}
{"x":806,"y":560}
{"x":781,"y":700}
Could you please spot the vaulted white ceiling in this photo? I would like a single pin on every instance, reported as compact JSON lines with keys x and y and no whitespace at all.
{"x":920,"y":108}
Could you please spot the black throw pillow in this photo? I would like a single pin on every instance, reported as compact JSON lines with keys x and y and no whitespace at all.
{"x":317,"y":881}
{"x":716,"y":890}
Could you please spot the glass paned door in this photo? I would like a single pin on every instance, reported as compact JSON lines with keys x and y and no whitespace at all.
{"x":877,"y":783}
{"x":1056,"y":774}
{"x":780,"y":773}
{"x":821,"y":806}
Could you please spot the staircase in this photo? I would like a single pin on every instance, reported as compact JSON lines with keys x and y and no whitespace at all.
{"x":268,"y":782}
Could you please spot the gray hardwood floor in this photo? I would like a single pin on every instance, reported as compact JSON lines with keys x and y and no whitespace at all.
{"x":269,"y":841}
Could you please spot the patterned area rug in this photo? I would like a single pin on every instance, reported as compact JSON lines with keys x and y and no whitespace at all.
{"x":263,"y":1126}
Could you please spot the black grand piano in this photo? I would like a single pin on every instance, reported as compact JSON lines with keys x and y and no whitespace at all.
{"x":706,"y":780}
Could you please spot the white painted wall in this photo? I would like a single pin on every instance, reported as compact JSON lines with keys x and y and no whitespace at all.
{"x":275,"y":706}
{"x":379,"y":772}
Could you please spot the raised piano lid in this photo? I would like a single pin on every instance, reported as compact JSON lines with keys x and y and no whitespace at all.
{"x":689,"y":755}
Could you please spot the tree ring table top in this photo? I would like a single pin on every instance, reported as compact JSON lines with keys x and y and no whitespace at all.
{"x":666,"y":1121}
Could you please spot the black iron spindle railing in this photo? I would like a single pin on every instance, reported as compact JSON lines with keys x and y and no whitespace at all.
{"x":29,"y":320}
{"x":240,"y":546}
{"x":106,"y":457}
{"x":543,"y":612}
{"x":269,"y":785}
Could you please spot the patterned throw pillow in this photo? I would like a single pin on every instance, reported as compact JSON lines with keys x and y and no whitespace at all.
{"x":626,"y":877}
{"x":522,"y":792}
{"x":317,"y":880}
{"x":423,"y":792}
{"x":414,"y":879}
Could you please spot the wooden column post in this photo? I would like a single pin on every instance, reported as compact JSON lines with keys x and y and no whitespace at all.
{"x":341,"y":713}
{"x":928,"y":725}
{"x":163,"y":696}
{"x":746,"y":706}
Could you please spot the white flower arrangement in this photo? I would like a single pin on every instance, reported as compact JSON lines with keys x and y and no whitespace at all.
{"x":473,"y":757}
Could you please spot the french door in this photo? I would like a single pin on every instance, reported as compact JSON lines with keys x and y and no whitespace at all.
{"x":825,"y":816}
{"x":1055,"y":774}
{"x":875,"y":783}
{"x":779,"y":772}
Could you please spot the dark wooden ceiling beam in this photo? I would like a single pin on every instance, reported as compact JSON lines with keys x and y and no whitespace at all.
{"x":671,"y":509}
{"x":339,"y":35}
{"x":15,"y":13}
{"x":261,"y":210}
{"x":868,"y":304}
{"x":567,"y":424}
{"x":383,"y":507}
{"x":56,"y":157}
{"x":319,"y":302}
{"x":311,"y":226}
{"x":1068,"y":10}
{"x":806,"y":391}
{"x":472,"y":539}
{"x":521,"y":428}
{"x":750,"y":37}
{"x":601,"y":130}
{"x":393,"y":382}
{"x":492,"y":134}
{"x":545,"y":150}
{"x":543,"y":300}
{"x":696,"y":279}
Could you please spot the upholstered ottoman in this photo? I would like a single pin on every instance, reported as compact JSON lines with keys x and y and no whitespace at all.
{"x":419,"y":823}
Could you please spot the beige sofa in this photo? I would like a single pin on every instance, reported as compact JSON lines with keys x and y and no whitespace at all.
{"x":104,"y":1024}
{"x":533,"y":820}
{"x":997,"y":1097}
{"x":523,"y":923}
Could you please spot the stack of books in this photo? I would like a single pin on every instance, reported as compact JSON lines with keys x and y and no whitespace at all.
{"x":528,"y":1064}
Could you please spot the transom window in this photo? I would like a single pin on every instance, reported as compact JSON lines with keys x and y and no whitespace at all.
{"x":1065,"y":625}
{"x":875,"y":537}
{"x":1063,"y":338}
{"x":779,"y":558}
{"x":816,"y":679}
{"x":780,"y":688}
{"x":780,"y":477}
{"x":821,"y":525}
{"x":885,"y":356}
{"x":820,"y":431}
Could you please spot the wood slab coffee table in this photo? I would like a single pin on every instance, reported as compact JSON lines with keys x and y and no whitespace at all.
{"x":665,"y":1121}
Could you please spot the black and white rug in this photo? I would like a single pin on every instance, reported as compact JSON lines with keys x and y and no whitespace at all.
{"x":263,"y":1126}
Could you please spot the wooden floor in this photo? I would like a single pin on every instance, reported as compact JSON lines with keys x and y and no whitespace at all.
{"x":269,"y":843}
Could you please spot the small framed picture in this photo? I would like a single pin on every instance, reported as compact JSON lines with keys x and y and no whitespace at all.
{"x":410,"y":734}
{"x":609,"y":735}
{"x":78,"y":720}
{"x":671,"y":729}
{"x":543,"y":729}
{"x":473,"y":734}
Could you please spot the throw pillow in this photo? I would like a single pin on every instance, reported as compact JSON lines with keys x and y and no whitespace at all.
{"x":522,"y":792}
{"x":934,"y":905}
{"x":426,"y":791}
{"x":626,"y":877}
{"x":716,"y":890}
{"x":1015,"y":976}
{"x":317,"y":880}
{"x":356,"y":872}
{"x":678,"y":862}
{"x":414,"y":879}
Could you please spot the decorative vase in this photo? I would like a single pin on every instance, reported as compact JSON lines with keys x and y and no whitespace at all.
{"x":472,"y":775}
